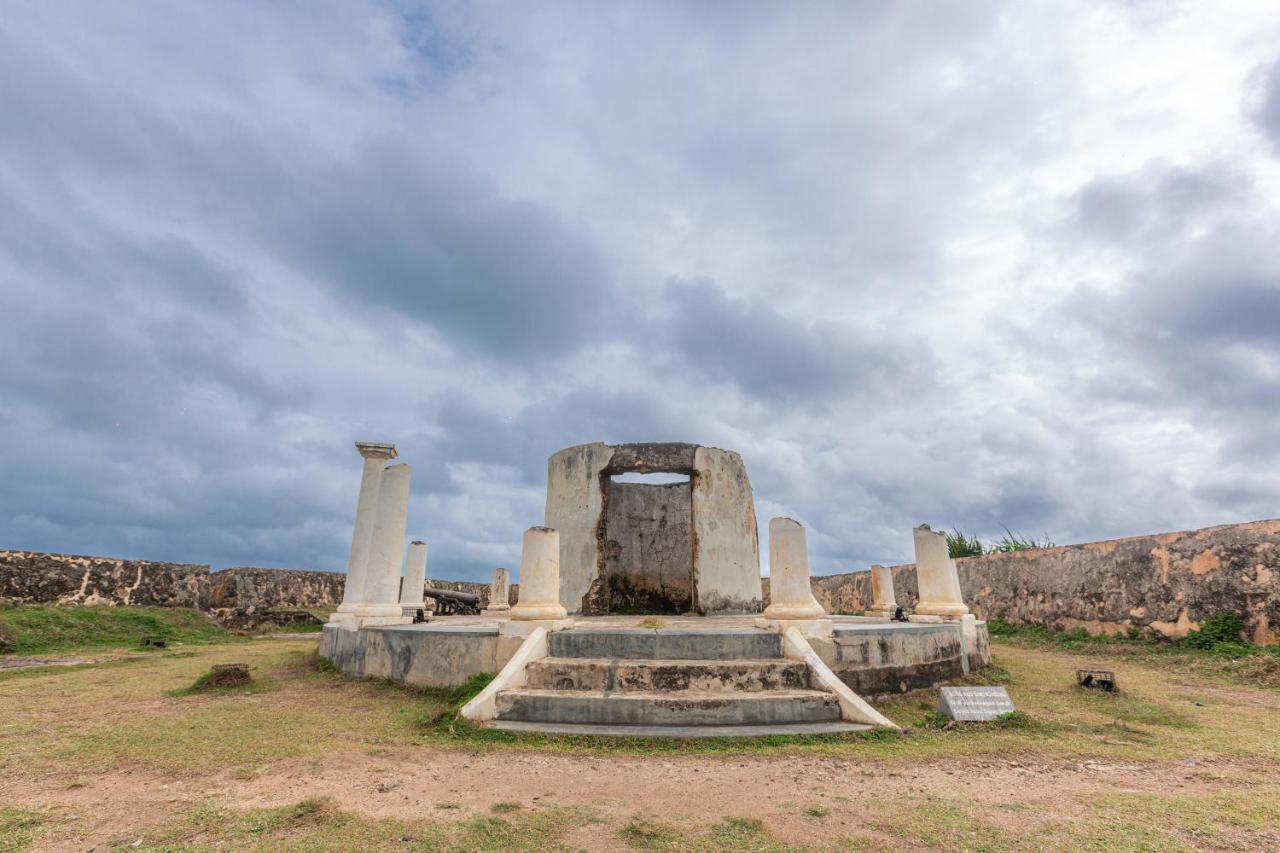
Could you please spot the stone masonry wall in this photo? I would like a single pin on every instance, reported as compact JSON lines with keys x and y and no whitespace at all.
{"x":1167,"y":583}
{"x":33,"y":577}
{"x":248,"y":588}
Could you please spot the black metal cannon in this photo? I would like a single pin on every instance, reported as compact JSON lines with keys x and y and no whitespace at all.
{"x":450,"y":603}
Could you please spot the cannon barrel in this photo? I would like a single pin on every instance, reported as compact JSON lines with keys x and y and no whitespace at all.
{"x":449,"y":595}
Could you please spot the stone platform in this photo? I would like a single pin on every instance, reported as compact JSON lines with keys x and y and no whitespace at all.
{"x":725,"y":675}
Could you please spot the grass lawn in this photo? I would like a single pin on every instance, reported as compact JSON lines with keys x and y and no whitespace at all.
{"x":119,"y":755}
{"x":34,"y":629}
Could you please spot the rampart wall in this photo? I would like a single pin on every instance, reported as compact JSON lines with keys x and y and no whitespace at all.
{"x":1167,"y":583}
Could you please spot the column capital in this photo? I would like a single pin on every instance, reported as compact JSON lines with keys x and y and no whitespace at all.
{"x":376,"y":450}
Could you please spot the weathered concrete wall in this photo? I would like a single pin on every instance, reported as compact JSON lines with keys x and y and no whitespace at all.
{"x":726,"y":558}
{"x":39,"y":578}
{"x":879,"y":661}
{"x":726,"y":538}
{"x":646,"y":549}
{"x":574,"y":504}
{"x":442,"y":657}
{"x":1167,"y":583}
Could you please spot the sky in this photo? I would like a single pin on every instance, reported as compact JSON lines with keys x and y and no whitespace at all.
{"x":984,"y":265}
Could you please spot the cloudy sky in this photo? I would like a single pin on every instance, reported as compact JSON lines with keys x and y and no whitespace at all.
{"x":979,"y":264}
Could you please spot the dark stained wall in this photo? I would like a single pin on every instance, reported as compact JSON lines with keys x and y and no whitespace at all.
{"x":646,"y":549}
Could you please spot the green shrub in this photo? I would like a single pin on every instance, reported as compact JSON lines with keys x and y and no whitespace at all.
{"x":1220,"y":632}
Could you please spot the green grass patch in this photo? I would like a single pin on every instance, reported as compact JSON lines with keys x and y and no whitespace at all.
{"x":648,"y":833}
{"x":39,"y":628}
{"x":294,"y":628}
{"x":206,"y":685}
{"x":19,"y":828}
{"x":944,"y":824}
{"x":1216,"y":649}
{"x":317,"y":823}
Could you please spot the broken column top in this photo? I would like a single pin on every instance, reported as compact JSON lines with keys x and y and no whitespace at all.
{"x":376,"y":450}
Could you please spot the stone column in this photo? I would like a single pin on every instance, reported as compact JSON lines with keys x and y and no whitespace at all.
{"x":883,"y":601}
{"x":936,"y":575}
{"x":415,"y":578}
{"x":375,"y":459}
{"x":539,"y":576}
{"x":500,"y":592}
{"x":790,"y":595}
{"x":382,"y":583}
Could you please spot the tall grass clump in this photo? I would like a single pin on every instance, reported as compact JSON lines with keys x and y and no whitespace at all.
{"x":959,"y":545}
{"x":1012,"y":542}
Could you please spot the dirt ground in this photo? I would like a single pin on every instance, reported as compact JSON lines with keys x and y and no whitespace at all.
{"x":101,"y":758}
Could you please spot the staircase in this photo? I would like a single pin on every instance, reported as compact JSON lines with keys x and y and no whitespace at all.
{"x":669,"y":682}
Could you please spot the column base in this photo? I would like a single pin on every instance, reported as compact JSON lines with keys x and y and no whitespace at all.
{"x":381,"y":621}
{"x":365,"y":611}
{"x":345,"y":621}
{"x":525,"y":627}
{"x":502,"y":611}
{"x":810,"y":609}
{"x":808,"y":628}
{"x":526,"y":612}
{"x":953,"y":609}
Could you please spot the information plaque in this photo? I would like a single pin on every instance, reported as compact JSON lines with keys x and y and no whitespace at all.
{"x":974,"y":704}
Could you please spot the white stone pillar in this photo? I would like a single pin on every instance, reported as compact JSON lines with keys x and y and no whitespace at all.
{"x":539,"y":576}
{"x":936,"y":575}
{"x":415,"y":578}
{"x":790,"y":595}
{"x":500,"y":591}
{"x":375,"y":459}
{"x":883,"y":601}
{"x":382,"y":583}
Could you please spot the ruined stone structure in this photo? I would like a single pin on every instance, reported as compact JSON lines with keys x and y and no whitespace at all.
{"x":415,"y":579}
{"x":375,"y":592}
{"x":688,"y":547}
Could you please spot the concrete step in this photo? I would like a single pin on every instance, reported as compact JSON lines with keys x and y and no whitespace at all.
{"x":666,"y":643}
{"x":596,"y":730}
{"x":661,"y":676}
{"x":685,"y":708}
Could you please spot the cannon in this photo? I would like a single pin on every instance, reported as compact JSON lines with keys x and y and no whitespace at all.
{"x":450,"y":603}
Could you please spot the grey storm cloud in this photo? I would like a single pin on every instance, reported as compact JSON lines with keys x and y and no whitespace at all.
{"x":769,"y":355}
{"x":916,"y":263}
{"x":1267,"y":113}
{"x":502,"y":278}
